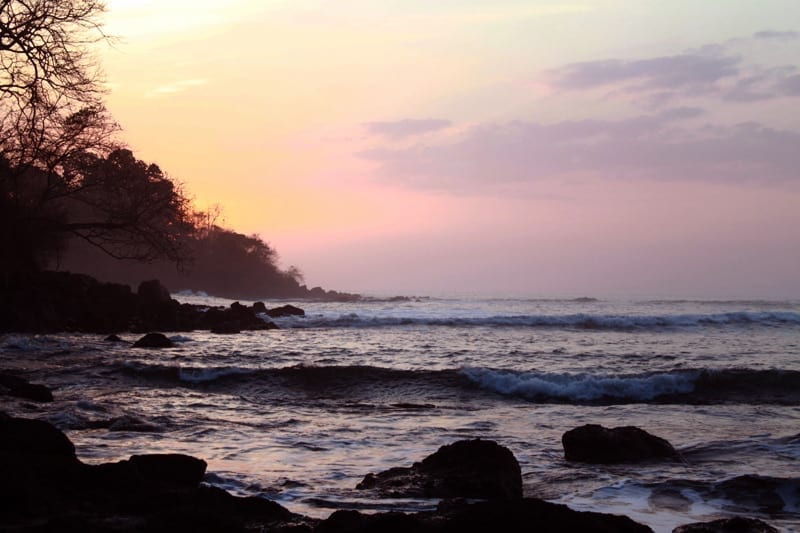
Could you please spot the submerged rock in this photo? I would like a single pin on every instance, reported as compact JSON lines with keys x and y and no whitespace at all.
{"x":727,"y":525}
{"x":593,"y":443}
{"x":11,"y":385}
{"x":763,"y":494}
{"x":154,"y":340}
{"x":468,"y":468}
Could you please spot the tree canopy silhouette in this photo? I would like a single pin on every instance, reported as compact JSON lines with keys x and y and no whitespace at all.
{"x":43,"y":52}
{"x":62,"y":171}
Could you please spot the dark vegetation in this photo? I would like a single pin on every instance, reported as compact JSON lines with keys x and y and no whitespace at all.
{"x":217,"y":261}
{"x":73,"y":196}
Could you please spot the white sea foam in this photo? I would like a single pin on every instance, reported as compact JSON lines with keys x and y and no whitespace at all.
{"x":191,"y":293}
{"x":581,"y":320}
{"x":582,"y":387}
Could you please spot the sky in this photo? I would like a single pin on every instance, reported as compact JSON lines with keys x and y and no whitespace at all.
{"x":607,"y":148}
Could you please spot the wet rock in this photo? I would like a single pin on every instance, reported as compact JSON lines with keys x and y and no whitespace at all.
{"x":226,"y":328}
{"x":113,"y":338}
{"x":727,"y":525}
{"x":154,"y":340}
{"x":170,"y":468}
{"x":469,"y":468}
{"x":39,"y":466}
{"x":153,"y":294}
{"x":758,"y":493}
{"x":11,"y":385}
{"x":285,"y":310}
{"x":531,"y":514}
{"x":53,"y":491}
{"x":62,"y":301}
{"x":157,"y":310}
{"x":355,"y":522}
{"x":259,"y":307}
{"x":593,"y":443}
{"x":232,"y":320}
{"x":33,"y":437}
{"x":669,"y":498}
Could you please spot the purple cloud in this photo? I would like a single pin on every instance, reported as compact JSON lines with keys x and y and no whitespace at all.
{"x":712,"y":70}
{"x":791,"y":85}
{"x":646,"y":147}
{"x":780,"y":35}
{"x":406,"y":128}
{"x":671,"y":72}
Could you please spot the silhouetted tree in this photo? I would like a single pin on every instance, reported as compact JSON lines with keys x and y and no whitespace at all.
{"x":62,"y":173}
{"x":44,"y":54}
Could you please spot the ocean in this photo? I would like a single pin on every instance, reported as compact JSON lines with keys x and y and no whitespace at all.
{"x":301,"y":414}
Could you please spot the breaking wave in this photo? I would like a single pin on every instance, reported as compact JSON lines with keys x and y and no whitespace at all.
{"x":700,"y":386}
{"x":572,"y":321}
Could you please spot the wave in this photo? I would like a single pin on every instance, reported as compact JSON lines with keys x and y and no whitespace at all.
{"x":572,"y":321}
{"x":582,"y":387}
{"x":362,"y":383}
{"x":686,"y":386}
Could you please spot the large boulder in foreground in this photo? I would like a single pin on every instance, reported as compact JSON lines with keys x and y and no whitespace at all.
{"x":533,"y":514}
{"x":468,"y":469}
{"x":596,"y":444}
{"x":170,"y":468}
{"x":506,"y":516}
{"x":33,"y":438}
{"x":727,"y":525}
{"x":47,"y":488}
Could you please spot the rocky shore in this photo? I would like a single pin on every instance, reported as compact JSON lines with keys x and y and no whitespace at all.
{"x":47,"y":488}
{"x":45,"y":302}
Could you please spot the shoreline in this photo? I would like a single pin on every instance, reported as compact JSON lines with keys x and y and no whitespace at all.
{"x":444,"y":509}
{"x":160,"y":492}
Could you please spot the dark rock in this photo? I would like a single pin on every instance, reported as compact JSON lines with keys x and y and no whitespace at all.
{"x":232,"y":320}
{"x":62,"y":301}
{"x":763,"y":494}
{"x":285,"y":310}
{"x":593,"y":443}
{"x":170,"y":468}
{"x":113,"y":338}
{"x":355,"y":522}
{"x":157,"y":310}
{"x":530,"y":514}
{"x":48,"y":489}
{"x":226,"y":328}
{"x":727,"y":525}
{"x":469,"y":468}
{"x":154,"y":340}
{"x":33,"y":437}
{"x":153,"y":294}
{"x":11,"y":385}
{"x":259,"y":307}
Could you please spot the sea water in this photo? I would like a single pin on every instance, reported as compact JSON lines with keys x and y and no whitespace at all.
{"x":301,"y":414}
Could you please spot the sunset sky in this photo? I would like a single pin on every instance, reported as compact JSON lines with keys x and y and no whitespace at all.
{"x":610,"y":148}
